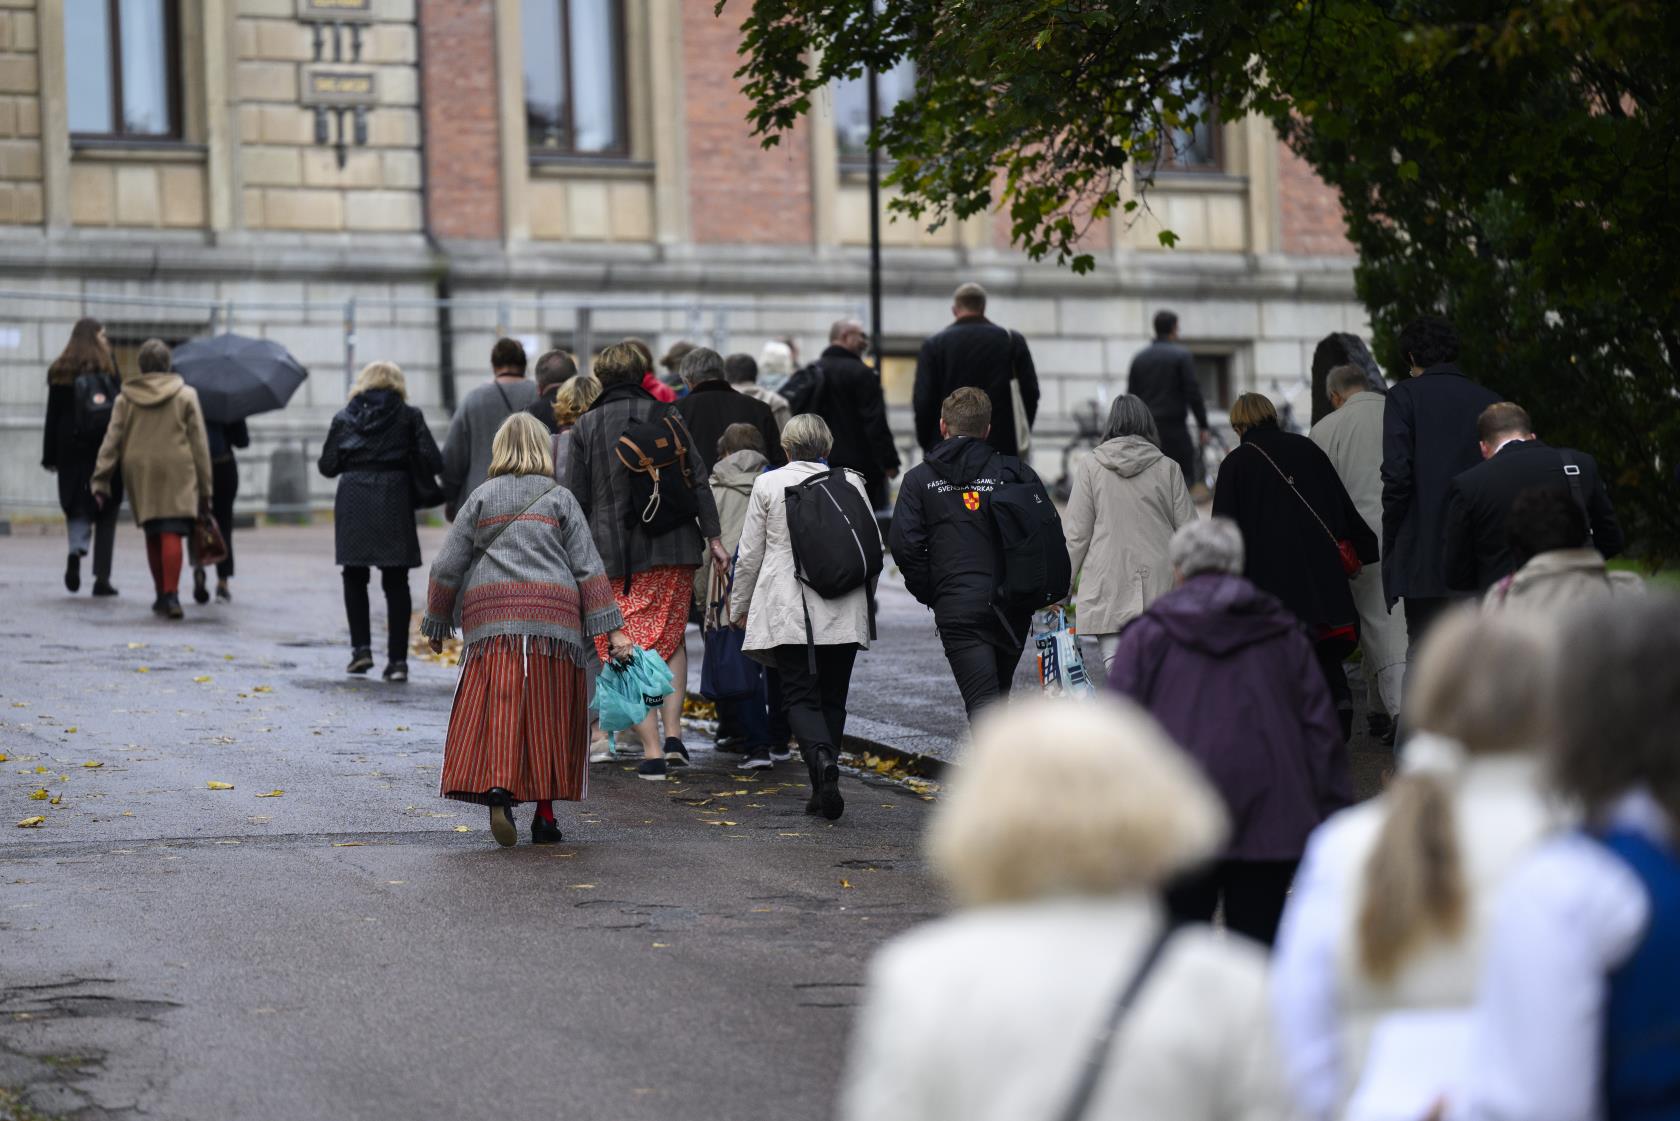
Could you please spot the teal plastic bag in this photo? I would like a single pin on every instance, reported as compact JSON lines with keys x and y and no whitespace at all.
{"x":625,"y":693}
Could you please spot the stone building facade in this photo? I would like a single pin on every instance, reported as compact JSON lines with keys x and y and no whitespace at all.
{"x":326,"y":171}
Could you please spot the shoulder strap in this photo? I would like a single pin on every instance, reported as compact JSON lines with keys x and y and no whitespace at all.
{"x":1097,"y":1058}
{"x":484,"y":549}
{"x":1334,"y":540}
{"x":504,"y":396}
{"x":1572,"y":472}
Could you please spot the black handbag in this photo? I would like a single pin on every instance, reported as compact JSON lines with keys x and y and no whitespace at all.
{"x":424,"y":490}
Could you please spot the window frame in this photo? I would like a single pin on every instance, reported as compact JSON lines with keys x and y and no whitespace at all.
{"x":173,"y":63}
{"x":1215,"y":165}
{"x":544,"y":154}
{"x":853,"y":163}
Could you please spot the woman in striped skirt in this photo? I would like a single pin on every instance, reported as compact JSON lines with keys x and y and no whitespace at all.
{"x":520,"y":573}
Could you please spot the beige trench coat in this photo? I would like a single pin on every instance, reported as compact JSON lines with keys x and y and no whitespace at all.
{"x":157,"y":434}
{"x":1127,"y":501}
{"x":768,"y":592}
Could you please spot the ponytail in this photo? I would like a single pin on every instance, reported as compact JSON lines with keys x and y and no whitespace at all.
{"x":1414,"y":878}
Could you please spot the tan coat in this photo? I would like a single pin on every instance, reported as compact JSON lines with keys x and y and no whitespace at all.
{"x":768,"y":592}
{"x":1127,"y":500}
{"x":1559,"y":580}
{"x":732,"y":484}
{"x":157,"y":433}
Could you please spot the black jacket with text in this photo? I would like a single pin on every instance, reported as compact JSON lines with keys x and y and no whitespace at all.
{"x":1476,"y":553}
{"x":942,"y":537}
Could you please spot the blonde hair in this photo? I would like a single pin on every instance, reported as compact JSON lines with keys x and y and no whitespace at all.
{"x":621,"y":363}
{"x":1482,"y":682}
{"x":574,"y":397}
{"x":807,"y":437}
{"x":1252,"y":410}
{"x":381,"y":375}
{"x":1128,"y":810}
{"x":520,"y":448}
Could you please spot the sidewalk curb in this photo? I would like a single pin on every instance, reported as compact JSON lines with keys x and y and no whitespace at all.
{"x":913,"y":762}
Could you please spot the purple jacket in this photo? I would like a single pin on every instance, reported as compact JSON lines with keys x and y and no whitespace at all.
{"x":1230,"y":674}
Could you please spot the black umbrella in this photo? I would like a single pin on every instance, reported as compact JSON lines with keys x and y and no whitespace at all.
{"x":237,"y":377}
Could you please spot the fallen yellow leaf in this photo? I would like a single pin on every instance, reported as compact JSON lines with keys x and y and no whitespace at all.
{"x":201,"y":679}
{"x":214,"y":785}
{"x":662,"y":945}
{"x":71,"y":728}
{"x":3,"y":757}
{"x":723,"y":823}
{"x":262,"y":689}
{"x":227,"y":657}
{"x":91,"y":764}
{"x":463,"y":829}
{"x":40,"y":770}
{"x":56,"y":799}
{"x":845,"y":883}
{"x":348,"y":844}
{"x":136,"y":645}
{"x":31,"y":823}
{"x":142,"y":669}
{"x":583,"y":886}
{"x":40,"y":795}
{"x":272,"y":794}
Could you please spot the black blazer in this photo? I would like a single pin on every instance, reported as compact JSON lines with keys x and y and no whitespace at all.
{"x":1477,"y":554}
{"x":1163,"y":374}
{"x":846,"y":393}
{"x":1429,"y":437}
{"x":974,"y":351}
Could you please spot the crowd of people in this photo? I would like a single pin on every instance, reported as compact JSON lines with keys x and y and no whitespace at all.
{"x":1513,"y":895}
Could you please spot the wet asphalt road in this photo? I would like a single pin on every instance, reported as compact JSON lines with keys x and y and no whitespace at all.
{"x":356,"y":948}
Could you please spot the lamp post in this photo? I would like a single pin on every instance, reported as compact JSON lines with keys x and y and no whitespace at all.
{"x":874,"y":104}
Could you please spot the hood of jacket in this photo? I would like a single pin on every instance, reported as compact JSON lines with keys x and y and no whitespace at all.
{"x":374,"y":411}
{"x":1219,"y":614}
{"x":738,"y":471}
{"x":1585,"y":561}
{"x":151,"y":390}
{"x":959,"y":460}
{"x":1127,"y":456}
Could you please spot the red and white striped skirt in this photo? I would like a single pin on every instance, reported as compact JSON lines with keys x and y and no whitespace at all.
{"x":520,"y":722}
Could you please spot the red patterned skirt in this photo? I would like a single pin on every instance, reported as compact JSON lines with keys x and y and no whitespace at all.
{"x":520,"y":722}
{"x":656,"y":610}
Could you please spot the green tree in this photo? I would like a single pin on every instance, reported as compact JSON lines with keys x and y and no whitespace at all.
{"x":1515,"y":166}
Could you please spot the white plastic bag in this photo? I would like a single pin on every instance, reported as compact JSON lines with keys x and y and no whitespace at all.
{"x":1061,"y":667}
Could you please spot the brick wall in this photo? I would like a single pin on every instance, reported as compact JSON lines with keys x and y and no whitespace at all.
{"x":292,"y":183}
{"x":20,"y":117}
{"x":463,"y":125}
{"x":1310,"y":215}
{"x":738,"y":191}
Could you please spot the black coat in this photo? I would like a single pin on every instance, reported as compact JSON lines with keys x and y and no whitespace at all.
{"x":543,"y":407}
{"x":1429,"y":437}
{"x":974,"y":351}
{"x":1288,"y":553}
{"x":1163,"y":374}
{"x":1476,"y":552}
{"x":713,"y":406}
{"x":368,"y":449}
{"x":72,"y":456}
{"x":942,"y":537}
{"x":846,"y":393}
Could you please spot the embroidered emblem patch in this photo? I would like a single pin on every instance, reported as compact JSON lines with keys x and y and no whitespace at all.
{"x":971,"y":499}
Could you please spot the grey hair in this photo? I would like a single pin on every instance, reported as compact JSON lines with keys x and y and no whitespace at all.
{"x":775,"y":360}
{"x":1129,"y":416}
{"x":1214,"y":545}
{"x":807,"y":437}
{"x":700,"y":365}
{"x":1346,"y":380}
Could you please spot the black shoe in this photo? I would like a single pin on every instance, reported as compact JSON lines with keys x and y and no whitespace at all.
{"x":758,"y":758}
{"x":73,"y":572}
{"x":828,"y":799}
{"x":160,"y":605}
{"x":201,"y":590}
{"x":396,"y":672}
{"x":675,"y":752}
{"x":222,"y":593}
{"x":733,"y":745}
{"x":781,"y":752}
{"x":172,"y":606}
{"x":103,"y":588}
{"x":653,"y":770}
{"x":544,"y":832}
{"x":361,"y":660}
{"x":502,"y":826}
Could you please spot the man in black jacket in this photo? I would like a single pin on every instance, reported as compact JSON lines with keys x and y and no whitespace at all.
{"x":553,"y":368}
{"x":846,"y":393}
{"x":1477,"y":549}
{"x":1163,"y":374}
{"x":944,"y":543}
{"x":712,"y":405}
{"x":1429,"y":438}
{"x":975,"y":351}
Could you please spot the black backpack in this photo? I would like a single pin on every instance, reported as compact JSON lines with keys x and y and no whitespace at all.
{"x":656,"y":461}
{"x":836,"y":547}
{"x":96,"y":396}
{"x":807,"y":390}
{"x":1035,"y":570}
